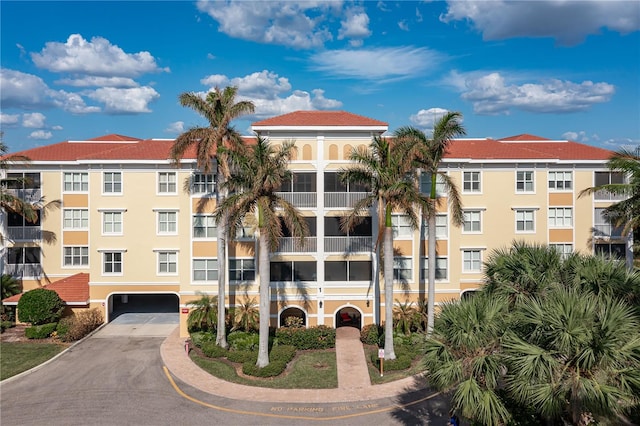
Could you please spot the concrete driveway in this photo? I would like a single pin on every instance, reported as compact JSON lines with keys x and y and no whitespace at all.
{"x":141,"y":325}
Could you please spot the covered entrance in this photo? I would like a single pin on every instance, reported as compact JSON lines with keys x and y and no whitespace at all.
{"x":348,"y":317}
{"x":126,"y":303}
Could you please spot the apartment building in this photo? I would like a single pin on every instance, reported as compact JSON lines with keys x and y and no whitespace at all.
{"x":134,"y":227}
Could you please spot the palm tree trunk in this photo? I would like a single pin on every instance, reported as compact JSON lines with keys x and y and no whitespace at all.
{"x":221,"y":334}
{"x":431,"y":265}
{"x":389,"y":352}
{"x":263,"y":272}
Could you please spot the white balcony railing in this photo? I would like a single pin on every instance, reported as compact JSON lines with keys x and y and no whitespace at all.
{"x":343,"y":199}
{"x":21,"y":233}
{"x":24,"y":270}
{"x":32,"y":195}
{"x":292,"y":245}
{"x":607,"y":231}
{"x":300,"y":199}
{"x":603,"y":195}
{"x":348,"y":244}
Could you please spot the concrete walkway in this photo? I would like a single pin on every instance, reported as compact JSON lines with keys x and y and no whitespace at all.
{"x":353,"y":376}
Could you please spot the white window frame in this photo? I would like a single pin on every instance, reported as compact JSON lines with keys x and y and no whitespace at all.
{"x":77,"y":216}
{"x":469,"y":218}
{"x":80,"y":179}
{"x":564,"y":220}
{"x":168,"y":186}
{"x":402,"y":263}
{"x":471,"y":181}
{"x":206,"y":270}
{"x":440,"y":260}
{"x":565,"y":249}
{"x":521,"y":216}
{"x":425,"y":184}
{"x":76,"y":252}
{"x":167,"y":258}
{"x":522,"y":178}
{"x":203,"y":183}
{"x":442,"y":228}
{"x":114,"y":213}
{"x":469,"y":259}
{"x":208,"y":223}
{"x":556,"y":176}
{"x":112,"y":183}
{"x":108,"y":252}
{"x":161,"y":221}
{"x":243,"y":270}
{"x":401,"y":227}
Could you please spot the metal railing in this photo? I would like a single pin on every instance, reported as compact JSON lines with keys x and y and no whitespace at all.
{"x":300,"y":199}
{"x":292,"y":245}
{"x":22,"y":233}
{"x":348,"y":244}
{"x":31,"y":195}
{"x":604,"y":195}
{"x":24,"y":270}
{"x":343,"y":199}
{"x":607,"y":231}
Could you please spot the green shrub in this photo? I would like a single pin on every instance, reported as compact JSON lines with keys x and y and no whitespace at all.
{"x":83,"y":323}
{"x":372,"y":334}
{"x":243,"y":341}
{"x":63,"y":326}
{"x":404,"y":358}
{"x":212,"y":350}
{"x":6,"y":324}
{"x":320,"y":337}
{"x":242,"y":356}
{"x":41,"y":331}
{"x":275,"y":368}
{"x":200,"y":337}
{"x":283,"y":353}
{"x":40,"y":306}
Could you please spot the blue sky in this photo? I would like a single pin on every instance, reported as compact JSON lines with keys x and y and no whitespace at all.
{"x":558,"y":69}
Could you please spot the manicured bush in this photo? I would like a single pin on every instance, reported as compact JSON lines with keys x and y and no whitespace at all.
{"x":372,"y":334}
{"x":40,"y":306}
{"x":6,"y":324}
{"x":200,"y":337}
{"x":63,"y":326}
{"x":283,"y":353}
{"x":405,"y":355}
{"x":41,"y":331}
{"x":320,"y":337}
{"x":243,"y":341}
{"x":212,"y":350}
{"x":83,"y":323}
{"x":242,"y":356}
{"x":275,"y":368}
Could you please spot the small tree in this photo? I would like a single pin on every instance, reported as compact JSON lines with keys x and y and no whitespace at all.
{"x":204,"y":314}
{"x":40,"y":306}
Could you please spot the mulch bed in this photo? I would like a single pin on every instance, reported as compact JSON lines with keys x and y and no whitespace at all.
{"x":16,"y":334}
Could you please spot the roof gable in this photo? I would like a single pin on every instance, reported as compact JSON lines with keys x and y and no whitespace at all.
{"x":72,"y":290}
{"x":319,"y":119}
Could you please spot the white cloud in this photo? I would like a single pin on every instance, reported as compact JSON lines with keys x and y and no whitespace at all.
{"x":569,"y":22}
{"x":95,"y":81}
{"x":264,"y":84}
{"x":33,"y":120}
{"x":403,"y":25}
{"x":377,"y":64}
{"x":355,"y":26}
{"x":210,"y":56}
{"x":57,"y":128}
{"x":295,"y":24}
{"x":176,"y":127}
{"x":40,"y":134}
{"x":125,"y":101}
{"x":426,"y":118}
{"x":320,"y":102}
{"x":97,"y":57}
{"x":492,"y":94}
{"x":9,"y":119}
{"x":382,"y":7}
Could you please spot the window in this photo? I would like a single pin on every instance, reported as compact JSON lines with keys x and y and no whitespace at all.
{"x":602,"y":226}
{"x":242,"y":269}
{"x":560,"y":181}
{"x":442,"y":225}
{"x":112,"y":183}
{"x":205,"y":269}
{"x":471,"y":182}
{"x":76,"y":182}
{"x":204,"y":226}
{"x":112,"y":223}
{"x":471,"y":261}
{"x":76,"y":256}
{"x":75,"y":218}
{"x":22,"y":181}
{"x":167,"y":222}
{"x":332,"y":183}
{"x":112,"y":262}
{"x":167,"y":182}
{"x":560,"y":217}
{"x":203,"y":183}
{"x":472,"y":221}
{"x":167,"y":262}
{"x":332,"y":228}
{"x":23,"y":261}
{"x":401,"y":226}
{"x":354,"y":270}
{"x":563,"y":248}
{"x":524,"y":181}
{"x":402,"y":270}
{"x":425,"y":184}
{"x":524,"y":221}
{"x":606,"y":178}
{"x":300,"y":182}
{"x":294,"y":271}
{"x":442,"y":264}
{"x":616,"y":251}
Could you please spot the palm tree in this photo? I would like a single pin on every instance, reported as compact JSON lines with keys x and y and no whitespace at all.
{"x":204,"y":313}
{"x":246,"y":316}
{"x":219,"y":108}
{"x":428,"y":154}
{"x":256,"y":179}
{"x":387,"y":172}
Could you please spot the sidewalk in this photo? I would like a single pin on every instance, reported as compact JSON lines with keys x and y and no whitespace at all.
{"x":353,"y":376}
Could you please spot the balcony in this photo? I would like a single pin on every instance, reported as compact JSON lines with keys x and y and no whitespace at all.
{"x":29,"y":195}
{"x":606,"y":231}
{"x":292,"y":245}
{"x":603,"y":195}
{"x":300,"y":199}
{"x":348,"y":244}
{"x":343,"y":199}
{"x":24,"y":233}
{"x":24,"y":270}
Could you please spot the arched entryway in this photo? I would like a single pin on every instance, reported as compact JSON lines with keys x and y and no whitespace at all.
{"x":348,"y":316}
{"x":293,"y":317}
{"x":468,"y":294}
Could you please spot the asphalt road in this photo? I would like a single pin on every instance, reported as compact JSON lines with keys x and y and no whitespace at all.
{"x":116,"y":379}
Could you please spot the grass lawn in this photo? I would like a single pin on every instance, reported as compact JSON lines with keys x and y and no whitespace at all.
{"x":17,"y":357}
{"x":389,"y":375}
{"x":308,"y":370}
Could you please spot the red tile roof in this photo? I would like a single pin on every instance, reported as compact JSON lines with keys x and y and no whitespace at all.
{"x":508,"y":148}
{"x":319,"y":118}
{"x":73,"y":289}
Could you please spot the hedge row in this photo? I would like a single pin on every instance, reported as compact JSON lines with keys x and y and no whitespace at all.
{"x":320,"y":337}
{"x":279,"y":357}
{"x":40,"y":331}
